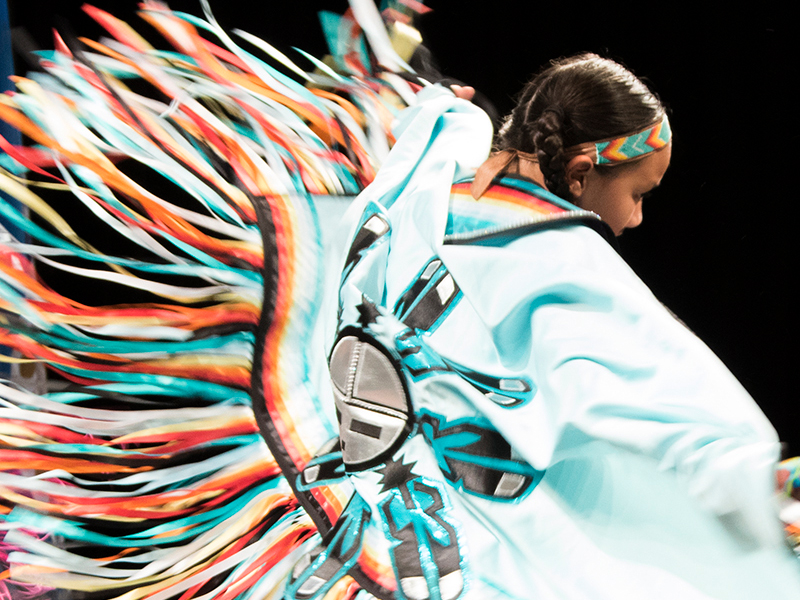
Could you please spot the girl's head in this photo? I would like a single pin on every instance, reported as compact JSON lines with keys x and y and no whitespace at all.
{"x":573,"y":104}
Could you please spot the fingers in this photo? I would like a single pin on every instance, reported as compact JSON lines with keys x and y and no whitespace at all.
{"x":466,"y":92}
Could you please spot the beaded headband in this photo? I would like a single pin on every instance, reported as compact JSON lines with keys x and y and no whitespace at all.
{"x":627,"y":148}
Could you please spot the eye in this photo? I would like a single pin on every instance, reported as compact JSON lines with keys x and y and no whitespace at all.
{"x":640,"y":197}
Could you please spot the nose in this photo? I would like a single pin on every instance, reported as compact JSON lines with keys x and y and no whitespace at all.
{"x":637,"y":216}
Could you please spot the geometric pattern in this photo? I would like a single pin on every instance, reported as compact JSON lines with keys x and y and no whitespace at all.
{"x":633,"y":146}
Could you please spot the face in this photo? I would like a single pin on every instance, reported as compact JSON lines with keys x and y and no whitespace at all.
{"x":617,"y":197}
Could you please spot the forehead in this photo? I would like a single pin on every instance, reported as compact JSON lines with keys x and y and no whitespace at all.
{"x":651,"y":169}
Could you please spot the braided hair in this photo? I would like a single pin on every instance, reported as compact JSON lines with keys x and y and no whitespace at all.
{"x":584,"y":98}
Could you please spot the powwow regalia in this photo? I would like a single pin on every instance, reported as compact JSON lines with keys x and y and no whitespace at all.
{"x":147,"y":476}
{"x":194,"y":451}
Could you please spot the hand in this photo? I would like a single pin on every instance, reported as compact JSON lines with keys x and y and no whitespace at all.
{"x":465,"y":92}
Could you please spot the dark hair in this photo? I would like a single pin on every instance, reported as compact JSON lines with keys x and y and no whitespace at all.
{"x":584,"y":98}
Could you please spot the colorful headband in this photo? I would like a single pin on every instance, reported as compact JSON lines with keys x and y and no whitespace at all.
{"x":627,"y":148}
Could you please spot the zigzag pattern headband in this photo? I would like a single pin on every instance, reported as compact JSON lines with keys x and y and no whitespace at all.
{"x":627,"y":148}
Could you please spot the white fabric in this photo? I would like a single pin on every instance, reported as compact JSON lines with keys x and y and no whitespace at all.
{"x":659,"y":466}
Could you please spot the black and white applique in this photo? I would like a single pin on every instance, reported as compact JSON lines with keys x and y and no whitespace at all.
{"x":372,"y":403}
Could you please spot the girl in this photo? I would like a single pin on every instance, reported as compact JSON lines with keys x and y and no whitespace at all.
{"x":519,"y":416}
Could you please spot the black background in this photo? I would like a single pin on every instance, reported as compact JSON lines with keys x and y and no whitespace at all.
{"x":718,"y":244}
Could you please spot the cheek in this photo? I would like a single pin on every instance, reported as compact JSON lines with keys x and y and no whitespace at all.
{"x":625,"y":214}
{"x":620,"y":209}
{"x":636,"y":217}
{"x":609,"y":200}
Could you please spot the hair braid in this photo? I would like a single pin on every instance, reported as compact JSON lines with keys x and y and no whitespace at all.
{"x":549,"y":143}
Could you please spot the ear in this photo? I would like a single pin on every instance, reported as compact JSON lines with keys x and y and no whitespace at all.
{"x":576,"y":173}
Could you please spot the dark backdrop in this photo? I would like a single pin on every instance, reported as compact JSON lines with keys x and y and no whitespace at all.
{"x":718,"y":241}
